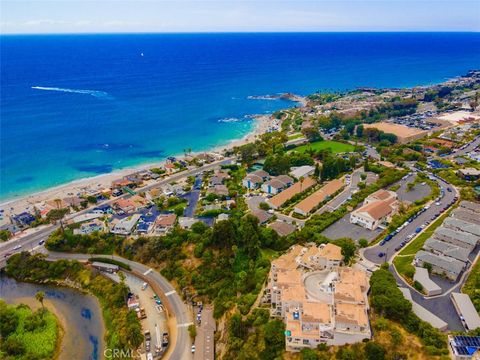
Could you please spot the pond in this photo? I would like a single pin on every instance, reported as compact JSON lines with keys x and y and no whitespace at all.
{"x":79,"y":314}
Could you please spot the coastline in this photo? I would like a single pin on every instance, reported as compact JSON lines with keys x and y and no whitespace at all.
{"x":23,"y":202}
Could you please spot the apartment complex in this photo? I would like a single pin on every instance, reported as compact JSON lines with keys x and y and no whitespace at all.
{"x":377,"y":210}
{"x":319,"y":300}
{"x":447,"y":251}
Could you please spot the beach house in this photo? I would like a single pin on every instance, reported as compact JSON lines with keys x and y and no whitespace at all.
{"x":255,"y":179}
{"x":277,"y":184}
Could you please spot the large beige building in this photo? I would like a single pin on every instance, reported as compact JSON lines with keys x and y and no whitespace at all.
{"x":319,"y":300}
{"x":404,"y":133}
{"x":378,"y":209}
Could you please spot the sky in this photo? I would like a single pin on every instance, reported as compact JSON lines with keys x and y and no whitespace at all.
{"x":112,"y":16}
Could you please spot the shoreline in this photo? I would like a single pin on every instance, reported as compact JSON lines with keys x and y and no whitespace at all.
{"x":23,"y":202}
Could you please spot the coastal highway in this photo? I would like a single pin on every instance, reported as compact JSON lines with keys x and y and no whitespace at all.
{"x":29,"y":240}
{"x":371,"y":253}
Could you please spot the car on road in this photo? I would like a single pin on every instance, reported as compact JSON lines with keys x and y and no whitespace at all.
{"x":7,"y":255}
{"x":381,"y":254}
{"x":438,"y":203}
{"x":193,"y":348}
{"x":382,"y":242}
{"x":18,"y":247}
{"x":149,"y":356}
{"x":41,"y":242}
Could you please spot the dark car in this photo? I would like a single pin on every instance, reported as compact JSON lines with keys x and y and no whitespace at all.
{"x":381,"y":254}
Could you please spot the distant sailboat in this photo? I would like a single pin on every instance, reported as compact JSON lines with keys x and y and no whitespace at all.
{"x":141,"y":54}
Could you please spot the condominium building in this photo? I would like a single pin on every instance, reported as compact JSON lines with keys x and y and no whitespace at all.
{"x":319,"y":300}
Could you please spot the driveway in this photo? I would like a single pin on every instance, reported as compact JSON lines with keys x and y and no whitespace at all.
{"x":192,"y":198}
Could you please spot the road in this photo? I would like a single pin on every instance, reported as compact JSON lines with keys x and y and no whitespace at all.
{"x":180,"y":312}
{"x":28,"y":241}
{"x":470,"y":147}
{"x":371,"y":253}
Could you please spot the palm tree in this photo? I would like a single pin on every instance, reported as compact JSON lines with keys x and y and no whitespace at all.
{"x":40,"y":295}
{"x":301,"y":180}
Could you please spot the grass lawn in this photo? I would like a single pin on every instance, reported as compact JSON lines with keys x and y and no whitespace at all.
{"x":402,"y":263}
{"x":334,"y":146}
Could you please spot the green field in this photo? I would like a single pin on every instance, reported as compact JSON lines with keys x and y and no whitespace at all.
{"x":334,"y":146}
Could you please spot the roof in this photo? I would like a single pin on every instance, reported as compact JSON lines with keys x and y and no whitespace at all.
{"x":421,"y":275}
{"x":279,"y":199}
{"x":351,"y":313}
{"x":377,"y":209}
{"x":218,"y":189}
{"x":254,"y":178}
{"x":261,"y":173}
{"x":467,"y":310}
{"x":469,"y":172}
{"x":282,"y":228}
{"x":461,"y":224}
{"x":465,"y":345}
{"x":399,"y":130}
{"x":261,"y":215}
{"x":317,"y":312}
{"x":300,"y":171}
{"x":446,"y":263}
{"x":456,"y":252}
{"x":287,"y":260}
{"x":310,"y":202}
{"x":348,"y":292}
{"x":461,"y":236}
{"x":382,"y":194}
{"x":104,"y":265}
{"x":166,"y":220}
{"x":469,"y":205}
{"x":276,"y":183}
{"x":331,"y":251}
{"x":466,"y":215}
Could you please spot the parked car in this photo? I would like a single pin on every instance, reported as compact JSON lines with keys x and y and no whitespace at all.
{"x":381,"y":254}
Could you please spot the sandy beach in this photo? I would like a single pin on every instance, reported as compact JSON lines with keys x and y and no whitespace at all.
{"x":91,"y":184}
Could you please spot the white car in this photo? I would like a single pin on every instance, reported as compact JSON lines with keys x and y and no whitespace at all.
{"x":438,"y":203}
{"x":193,"y":348}
{"x":18,"y":247}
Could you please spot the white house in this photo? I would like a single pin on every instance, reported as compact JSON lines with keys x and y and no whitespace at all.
{"x":125,"y":226}
{"x":302,"y":171}
{"x":378,"y":209}
{"x":255,"y":179}
{"x":277,"y":184}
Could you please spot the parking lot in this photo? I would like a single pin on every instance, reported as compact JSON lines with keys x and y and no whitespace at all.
{"x":343,"y":228}
{"x":418,"y":192}
{"x":156,"y":321}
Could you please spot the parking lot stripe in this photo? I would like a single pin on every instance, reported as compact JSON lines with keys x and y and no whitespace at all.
{"x":147,"y":272}
{"x":170,"y":293}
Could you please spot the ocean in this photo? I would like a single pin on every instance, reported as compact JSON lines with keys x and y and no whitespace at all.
{"x":75,"y":106}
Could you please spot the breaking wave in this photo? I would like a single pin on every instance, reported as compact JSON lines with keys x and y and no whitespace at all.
{"x":230,"y":120}
{"x":94,"y":93}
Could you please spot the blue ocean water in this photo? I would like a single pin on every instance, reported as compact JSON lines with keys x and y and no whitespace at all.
{"x":74,"y":106}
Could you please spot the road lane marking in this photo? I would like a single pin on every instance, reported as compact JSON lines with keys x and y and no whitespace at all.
{"x":170,"y":293}
{"x":184,"y":325}
{"x":147,"y":272}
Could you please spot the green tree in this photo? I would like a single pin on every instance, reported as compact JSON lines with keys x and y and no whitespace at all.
{"x":359,"y":131}
{"x":363,"y":243}
{"x":309,"y":354}
{"x":374,"y":351}
{"x":40,"y":295}
{"x":5,"y":235}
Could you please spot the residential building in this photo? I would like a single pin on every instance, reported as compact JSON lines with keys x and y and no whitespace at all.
{"x":262,"y":215}
{"x":430,"y":287}
{"x":469,"y":174}
{"x":255,"y":179}
{"x":321,"y":306}
{"x":444,"y":248}
{"x":164,"y":223}
{"x":377,"y":210}
{"x":277,"y":184}
{"x":465,"y":347}
{"x":282,"y":228}
{"x":442,"y":265}
{"x":90,"y":227}
{"x":456,"y":237}
{"x":467,"y":216}
{"x":186,"y":222}
{"x":466,"y":310}
{"x":125,"y":226}
{"x":297,"y":188}
{"x":24,"y":219}
{"x":302,"y":171}
{"x":458,"y":224}
{"x":219,"y":190}
{"x":311,"y":202}
{"x":124,"y":205}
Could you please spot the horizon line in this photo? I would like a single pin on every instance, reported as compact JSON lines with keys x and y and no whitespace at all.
{"x":250,"y":32}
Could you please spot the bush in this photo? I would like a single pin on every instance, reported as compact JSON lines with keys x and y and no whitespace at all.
{"x":418,"y":286}
{"x":264,"y":206}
